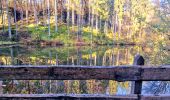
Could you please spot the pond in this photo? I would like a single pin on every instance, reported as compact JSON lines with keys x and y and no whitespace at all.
{"x":91,"y":56}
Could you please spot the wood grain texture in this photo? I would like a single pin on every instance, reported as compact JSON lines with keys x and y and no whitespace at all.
{"x":118,"y":73}
{"x":66,"y":97}
{"x":81,"y":97}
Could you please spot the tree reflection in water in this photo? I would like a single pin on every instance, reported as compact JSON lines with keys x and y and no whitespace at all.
{"x":89,"y":56}
{"x":156,"y":87}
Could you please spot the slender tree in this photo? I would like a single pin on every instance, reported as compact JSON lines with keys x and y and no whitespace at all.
{"x":2,"y":14}
{"x":9,"y":20}
{"x":73,"y":13}
{"x":35,"y":13}
{"x":68,"y":16}
{"x":56,"y":15}
{"x":27,"y":4}
{"x":49,"y":31}
{"x":15,"y":18}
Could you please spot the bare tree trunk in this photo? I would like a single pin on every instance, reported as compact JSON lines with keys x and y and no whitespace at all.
{"x":120,"y":26}
{"x":92,"y":24}
{"x":35,"y":14}
{"x":106,"y":26}
{"x":68,"y":16}
{"x":49,"y":33}
{"x":44,"y":15}
{"x":89,"y":14}
{"x":97,"y":21}
{"x":115,"y":25}
{"x":100,"y":24}
{"x":79,"y":19}
{"x":27,"y":13}
{"x":2,"y":12}
{"x":56,"y":15}
{"x":22,"y":16}
{"x":15,"y":18}
{"x":73,"y":16}
{"x":9,"y":20}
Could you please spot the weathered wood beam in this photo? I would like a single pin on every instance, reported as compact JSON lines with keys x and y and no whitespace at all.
{"x":66,"y":97}
{"x":154,"y":97}
{"x":82,"y":97}
{"x":119,"y":73}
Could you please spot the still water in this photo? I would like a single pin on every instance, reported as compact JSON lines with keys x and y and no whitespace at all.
{"x":91,"y":56}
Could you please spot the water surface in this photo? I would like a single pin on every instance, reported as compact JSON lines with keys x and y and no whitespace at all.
{"x":88,"y":56}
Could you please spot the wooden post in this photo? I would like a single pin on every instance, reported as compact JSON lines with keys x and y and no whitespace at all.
{"x":137,"y":85}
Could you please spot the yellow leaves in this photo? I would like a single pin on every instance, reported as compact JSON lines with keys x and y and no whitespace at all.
{"x":76,"y":87}
{"x":6,"y":60}
{"x":109,"y":35}
{"x":94,"y":54}
{"x":31,"y":25}
{"x":113,"y":87}
{"x":89,"y":30}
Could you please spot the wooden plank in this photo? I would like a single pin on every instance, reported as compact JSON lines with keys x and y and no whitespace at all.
{"x":67,"y":97}
{"x":82,"y":97}
{"x":118,"y":73}
{"x":154,"y":97}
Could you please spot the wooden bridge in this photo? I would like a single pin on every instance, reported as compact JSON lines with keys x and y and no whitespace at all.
{"x":136,"y":73}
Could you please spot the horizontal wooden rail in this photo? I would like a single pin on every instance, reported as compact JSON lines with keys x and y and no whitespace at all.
{"x":118,"y":73}
{"x":82,"y":97}
{"x":67,"y":97}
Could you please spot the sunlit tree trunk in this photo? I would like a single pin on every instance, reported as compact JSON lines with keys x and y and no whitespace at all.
{"x":56,"y":15}
{"x":100,"y":23}
{"x":49,"y":31}
{"x":15,"y":18}
{"x":92,"y":25}
{"x":2,"y":13}
{"x":112,"y":17}
{"x":27,"y":13}
{"x":91,"y":57}
{"x":118,"y":57}
{"x":22,"y":16}
{"x":89,"y":13}
{"x":79,"y":20}
{"x":9,"y":20}
{"x":119,"y":28}
{"x":115,"y":25}
{"x":44,"y":14}
{"x":73,"y":16}
{"x":68,"y":16}
{"x":106,"y":27}
{"x":35,"y":13}
{"x":97,"y":21}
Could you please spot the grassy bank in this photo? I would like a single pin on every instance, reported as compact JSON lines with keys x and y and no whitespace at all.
{"x":38,"y":34}
{"x":69,"y":35}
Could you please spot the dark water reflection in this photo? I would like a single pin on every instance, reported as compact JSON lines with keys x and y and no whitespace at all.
{"x":91,"y":56}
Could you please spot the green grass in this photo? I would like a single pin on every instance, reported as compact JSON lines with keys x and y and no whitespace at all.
{"x":41,"y":33}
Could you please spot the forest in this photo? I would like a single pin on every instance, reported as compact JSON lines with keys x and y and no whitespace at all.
{"x":85,"y":22}
{"x":83,"y":33}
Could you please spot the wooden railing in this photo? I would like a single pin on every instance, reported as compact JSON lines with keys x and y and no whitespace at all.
{"x":136,"y":73}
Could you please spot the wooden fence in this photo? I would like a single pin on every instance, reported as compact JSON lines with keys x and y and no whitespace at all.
{"x":136,"y":73}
